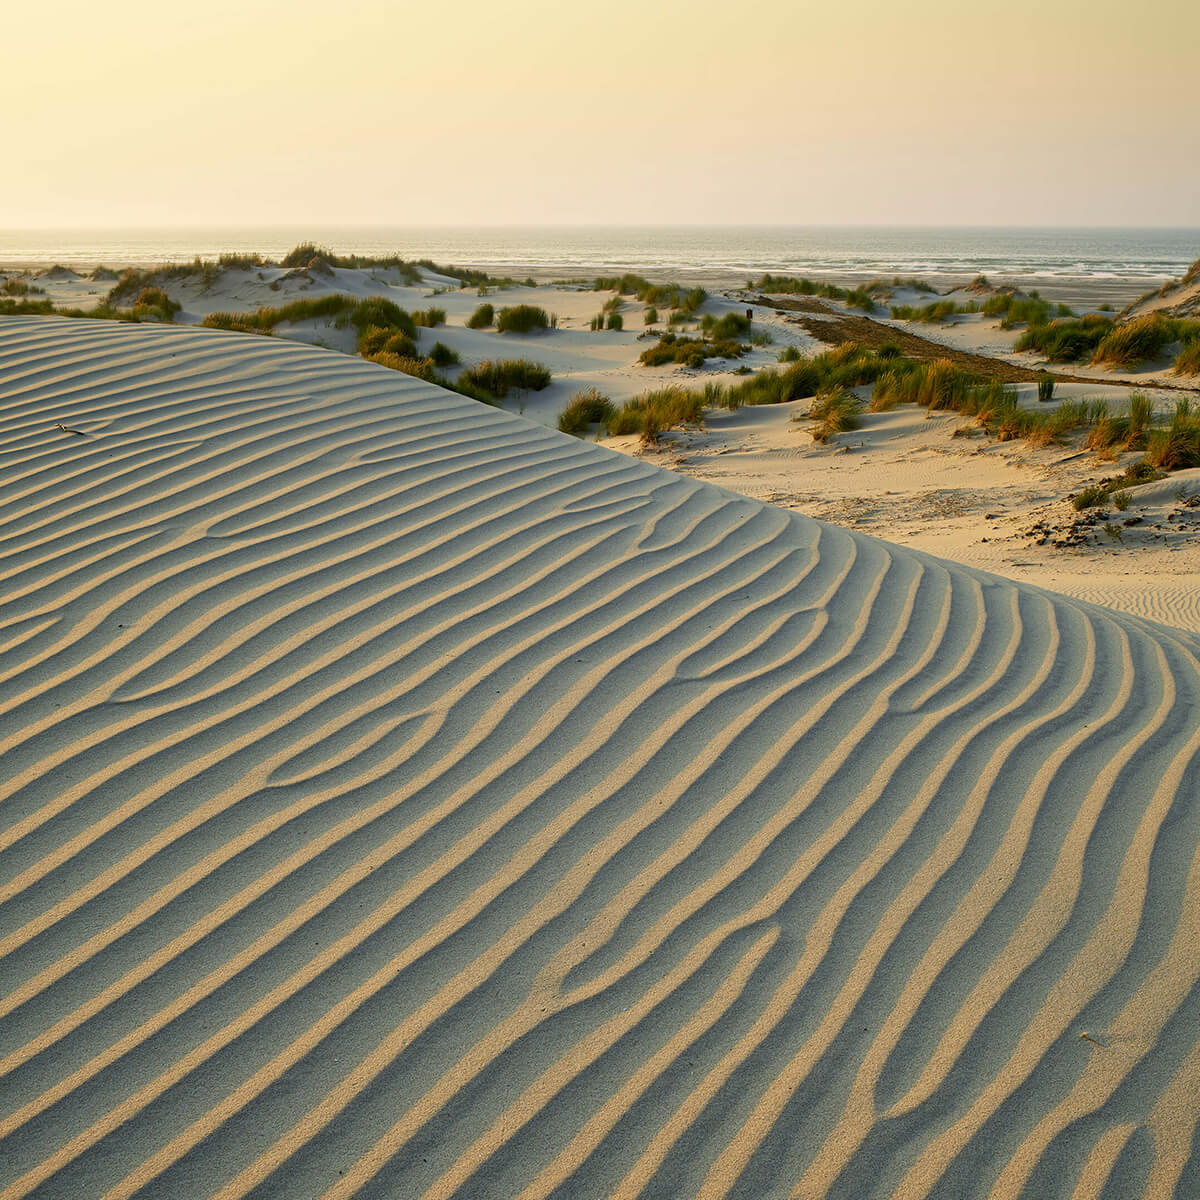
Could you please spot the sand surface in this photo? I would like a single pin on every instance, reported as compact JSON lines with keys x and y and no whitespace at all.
{"x":403,"y":799}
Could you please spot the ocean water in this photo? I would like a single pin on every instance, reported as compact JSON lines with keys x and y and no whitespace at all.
{"x":1058,"y":254}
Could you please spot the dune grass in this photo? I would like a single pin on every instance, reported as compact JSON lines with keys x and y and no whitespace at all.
{"x":727,"y":327}
{"x":615,"y":321}
{"x":834,"y":411}
{"x":483,"y":316}
{"x":931,"y":314}
{"x":429,"y":318}
{"x":650,"y":316}
{"x":1066,"y":340}
{"x":443,"y":356}
{"x":499,"y":377}
{"x":667,"y":295}
{"x":1188,"y":362}
{"x":689,"y":352}
{"x":1134,"y":341}
{"x":785,"y":285}
{"x":522,"y":318}
{"x":653,"y":413}
{"x":377,"y":340}
{"x":586,"y":408}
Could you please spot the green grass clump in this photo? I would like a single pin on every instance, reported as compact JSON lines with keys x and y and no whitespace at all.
{"x":928,"y":314}
{"x":615,"y":321}
{"x":835,"y":411}
{"x":725,"y":328}
{"x":241,"y":262}
{"x":377,"y":311}
{"x":1045,"y":387}
{"x":522,"y":318}
{"x":1115,"y":486}
{"x":785,"y":285}
{"x":153,"y":304}
{"x":586,"y":408}
{"x":653,"y":413}
{"x":429,"y":318}
{"x":1188,"y":362}
{"x":861,"y":297}
{"x":940,"y":384}
{"x":790,"y":354}
{"x":500,"y":377}
{"x":1128,"y":344}
{"x":1066,"y":340}
{"x":443,"y":356}
{"x":483,"y":316}
{"x":1178,"y":446}
{"x":10,"y":307}
{"x":650,"y":316}
{"x":419,"y":368}
{"x":377,"y":340}
{"x":690,"y":352}
{"x":917,"y":285}
{"x":374,"y":317}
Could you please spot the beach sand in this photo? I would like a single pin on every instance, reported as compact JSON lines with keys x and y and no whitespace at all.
{"x":401,"y":798}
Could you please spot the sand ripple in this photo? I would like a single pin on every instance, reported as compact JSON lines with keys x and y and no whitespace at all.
{"x":399,"y":799}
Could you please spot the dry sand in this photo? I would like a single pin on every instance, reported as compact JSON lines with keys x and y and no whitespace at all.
{"x":403,"y":799}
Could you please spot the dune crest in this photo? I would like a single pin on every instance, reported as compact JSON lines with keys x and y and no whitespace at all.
{"x":399,"y":798}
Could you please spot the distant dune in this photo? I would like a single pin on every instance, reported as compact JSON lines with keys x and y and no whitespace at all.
{"x":402,"y":799}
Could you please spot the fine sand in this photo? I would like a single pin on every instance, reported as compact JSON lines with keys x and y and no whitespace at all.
{"x":402,"y":799}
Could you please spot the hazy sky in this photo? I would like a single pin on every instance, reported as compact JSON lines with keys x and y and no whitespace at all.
{"x":242,"y":112}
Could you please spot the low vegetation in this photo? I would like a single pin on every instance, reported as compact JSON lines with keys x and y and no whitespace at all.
{"x":483,"y":316}
{"x":1068,"y":340}
{"x":498,"y":378}
{"x":585,"y":409}
{"x":834,"y":411}
{"x":933,"y":313}
{"x":653,"y":413}
{"x":522,"y":318}
{"x":429,"y":318}
{"x":688,"y":352}
{"x":785,"y":285}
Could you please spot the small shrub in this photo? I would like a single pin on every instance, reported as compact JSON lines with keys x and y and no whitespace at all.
{"x":429,"y":318}
{"x":653,"y":413}
{"x":615,"y":321}
{"x":1131,"y":343}
{"x":419,"y":368}
{"x":789,"y":354}
{"x":499,"y":378}
{"x":725,"y":328}
{"x":482,"y":317}
{"x":391,"y":341}
{"x":650,"y":316}
{"x":522,"y":318}
{"x":1121,"y":500}
{"x":154,"y":304}
{"x":443,"y":355}
{"x":1091,"y":496}
{"x":836,"y":411}
{"x":1045,"y":387}
{"x":586,"y":408}
{"x":1188,"y":362}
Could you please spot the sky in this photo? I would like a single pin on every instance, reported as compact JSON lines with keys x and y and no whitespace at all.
{"x":930,"y":112}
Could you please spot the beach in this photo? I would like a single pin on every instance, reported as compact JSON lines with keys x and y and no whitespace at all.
{"x":402,"y":797}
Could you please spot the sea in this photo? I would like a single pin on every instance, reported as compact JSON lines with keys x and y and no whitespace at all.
{"x":1024,"y":255}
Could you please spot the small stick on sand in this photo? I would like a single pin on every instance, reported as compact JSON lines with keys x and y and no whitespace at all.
{"x":77,"y":432}
{"x":1085,"y":1036}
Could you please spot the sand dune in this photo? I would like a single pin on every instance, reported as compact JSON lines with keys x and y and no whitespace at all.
{"x":402,"y":799}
